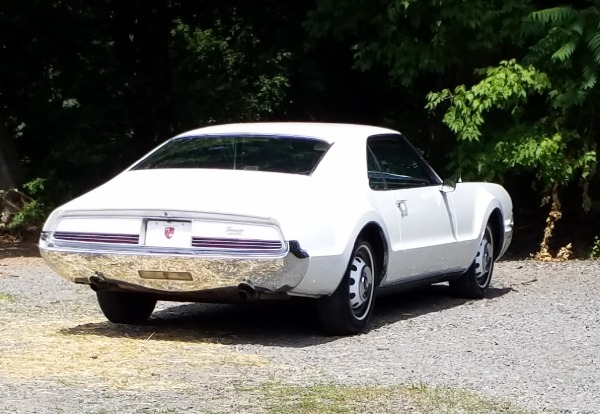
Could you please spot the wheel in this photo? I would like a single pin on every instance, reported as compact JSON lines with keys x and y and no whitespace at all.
{"x":474,"y":283}
{"x":348,"y":310}
{"x":125,"y":307}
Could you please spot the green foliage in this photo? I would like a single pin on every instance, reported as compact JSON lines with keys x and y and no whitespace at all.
{"x":553,"y":15}
{"x":567,"y":41}
{"x":35,"y":187}
{"x":32,"y":215}
{"x":553,"y":157}
{"x":534,"y":112}
{"x":35,"y":210}
{"x":505,"y":87}
{"x":414,"y":38}
{"x":233,"y":86}
{"x":87,"y":89}
{"x":593,"y":43}
{"x":543,"y":146}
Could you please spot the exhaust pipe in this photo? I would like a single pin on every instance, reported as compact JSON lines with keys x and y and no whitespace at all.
{"x":98,"y":281}
{"x":247,"y":291}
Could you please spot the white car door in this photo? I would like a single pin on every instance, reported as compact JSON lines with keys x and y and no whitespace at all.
{"x":424,"y":214}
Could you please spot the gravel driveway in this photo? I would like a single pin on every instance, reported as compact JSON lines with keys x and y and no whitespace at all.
{"x":535,"y":341}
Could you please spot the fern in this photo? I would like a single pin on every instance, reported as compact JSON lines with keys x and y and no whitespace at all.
{"x":570,"y":39}
{"x":593,"y":43}
{"x":554,"y":15}
{"x":589,"y":76}
{"x":565,"y":51}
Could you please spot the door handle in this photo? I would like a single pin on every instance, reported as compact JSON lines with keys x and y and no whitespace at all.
{"x":401,"y":204}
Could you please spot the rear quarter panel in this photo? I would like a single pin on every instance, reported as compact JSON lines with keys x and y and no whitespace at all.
{"x":339,"y":209}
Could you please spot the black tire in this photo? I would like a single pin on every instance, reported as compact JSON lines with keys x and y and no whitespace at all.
{"x":475,"y":282}
{"x":348,"y":310}
{"x":125,"y":307}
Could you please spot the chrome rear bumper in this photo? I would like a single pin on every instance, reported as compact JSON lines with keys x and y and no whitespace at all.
{"x":163,"y":272}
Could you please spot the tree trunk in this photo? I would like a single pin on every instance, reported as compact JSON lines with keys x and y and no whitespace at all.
{"x":10,"y":164}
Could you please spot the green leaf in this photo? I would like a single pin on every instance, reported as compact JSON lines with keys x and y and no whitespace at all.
{"x":593,"y":43}
{"x":553,"y":15}
{"x":565,"y":51}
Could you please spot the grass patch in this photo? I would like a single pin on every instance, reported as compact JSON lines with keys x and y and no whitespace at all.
{"x":7,"y":297}
{"x":151,"y":411}
{"x":44,"y":348}
{"x":339,"y":399}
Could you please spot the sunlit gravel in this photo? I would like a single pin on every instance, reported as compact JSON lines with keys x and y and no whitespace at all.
{"x":535,"y":341}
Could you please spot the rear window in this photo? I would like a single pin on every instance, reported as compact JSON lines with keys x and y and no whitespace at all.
{"x":283,"y":154}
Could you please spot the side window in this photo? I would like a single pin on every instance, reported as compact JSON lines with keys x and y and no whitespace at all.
{"x":400,"y":168}
{"x":376,"y":180}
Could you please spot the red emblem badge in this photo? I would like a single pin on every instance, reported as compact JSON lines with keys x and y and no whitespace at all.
{"x":169,"y":232}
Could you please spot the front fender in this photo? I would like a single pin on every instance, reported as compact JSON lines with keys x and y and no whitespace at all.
{"x":475,"y":204}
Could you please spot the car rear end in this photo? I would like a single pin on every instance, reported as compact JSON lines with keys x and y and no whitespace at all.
{"x":200,"y":218}
{"x":178,"y":253}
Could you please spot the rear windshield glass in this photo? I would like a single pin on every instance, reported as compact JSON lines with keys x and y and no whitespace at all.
{"x":294,"y":155}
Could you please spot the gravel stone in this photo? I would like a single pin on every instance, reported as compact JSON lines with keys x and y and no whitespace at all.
{"x":535,"y":341}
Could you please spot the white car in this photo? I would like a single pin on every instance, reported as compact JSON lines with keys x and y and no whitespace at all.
{"x":332,"y":212}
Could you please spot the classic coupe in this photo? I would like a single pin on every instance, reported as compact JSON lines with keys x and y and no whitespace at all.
{"x":333,"y":212}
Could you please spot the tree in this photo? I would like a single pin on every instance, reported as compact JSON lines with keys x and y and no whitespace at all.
{"x":10,"y":166}
{"x":556,"y":138}
{"x":419,"y":46}
{"x":532,"y":114}
{"x":87,"y":89}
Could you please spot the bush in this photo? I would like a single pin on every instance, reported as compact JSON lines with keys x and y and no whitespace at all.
{"x":23,"y":210}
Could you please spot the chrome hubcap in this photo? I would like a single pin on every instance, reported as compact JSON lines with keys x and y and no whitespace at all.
{"x":361,"y":286}
{"x":484,"y":261}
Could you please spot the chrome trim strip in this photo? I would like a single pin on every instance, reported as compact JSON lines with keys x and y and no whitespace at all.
{"x":52,"y":242}
{"x":242,"y":244}
{"x":140,"y":250}
{"x":166,"y":215}
{"x":97,"y":237}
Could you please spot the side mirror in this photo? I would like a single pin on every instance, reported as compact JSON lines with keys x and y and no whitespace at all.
{"x":448,"y":185}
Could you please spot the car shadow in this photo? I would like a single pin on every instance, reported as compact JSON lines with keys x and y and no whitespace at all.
{"x":289,"y":324}
{"x":396,"y":307}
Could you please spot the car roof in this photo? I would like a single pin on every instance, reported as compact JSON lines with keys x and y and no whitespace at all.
{"x":326,"y":131}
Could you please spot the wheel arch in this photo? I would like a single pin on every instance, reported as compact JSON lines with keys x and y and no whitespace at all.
{"x":496,"y":221}
{"x":321,"y":279}
{"x":373,"y":233}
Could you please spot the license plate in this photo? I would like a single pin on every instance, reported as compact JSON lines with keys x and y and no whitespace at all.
{"x":168,"y":233}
